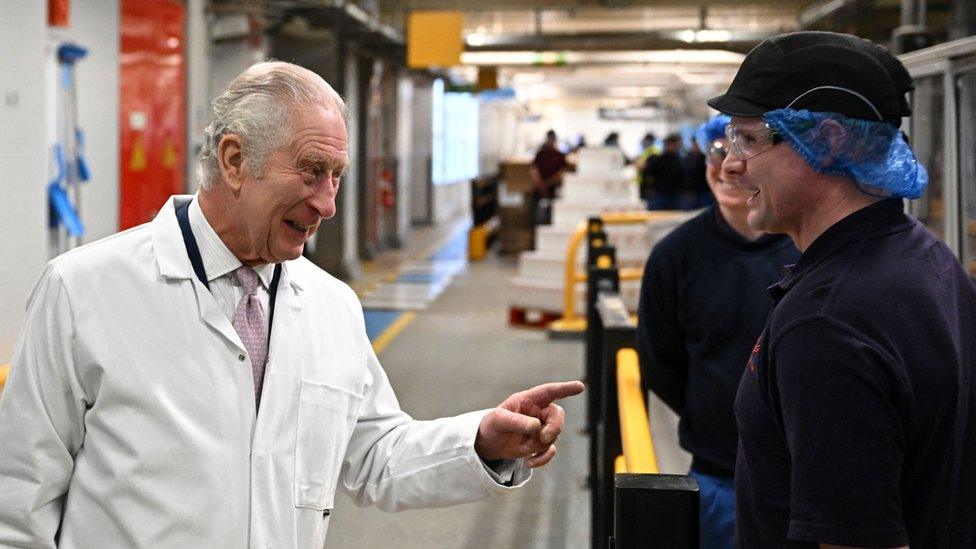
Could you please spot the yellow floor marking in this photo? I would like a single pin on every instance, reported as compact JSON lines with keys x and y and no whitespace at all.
{"x":392,"y":331}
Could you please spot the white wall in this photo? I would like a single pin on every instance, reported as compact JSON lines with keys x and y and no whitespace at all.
{"x":404,"y":153}
{"x":349,"y":191}
{"x":28,"y":97}
{"x":198,"y":92}
{"x":570,"y":122}
{"x":233,"y":53}
{"x":451,"y":201}
{"x":422,"y":135}
{"x":23,"y":196}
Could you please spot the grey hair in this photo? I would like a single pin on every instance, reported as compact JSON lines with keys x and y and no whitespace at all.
{"x":257,"y":106}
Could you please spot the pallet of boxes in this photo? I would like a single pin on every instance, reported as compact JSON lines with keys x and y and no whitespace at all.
{"x":515,"y":215}
{"x":601,"y":184}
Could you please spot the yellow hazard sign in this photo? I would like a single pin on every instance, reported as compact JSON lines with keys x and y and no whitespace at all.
{"x":169,"y":154}
{"x":137,"y":163}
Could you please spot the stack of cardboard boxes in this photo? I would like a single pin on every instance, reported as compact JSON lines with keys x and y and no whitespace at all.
{"x":515,"y":215}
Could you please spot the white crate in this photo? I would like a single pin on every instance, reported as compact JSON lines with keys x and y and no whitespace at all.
{"x":584,"y":189}
{"x":548,"y":295}
{"x":599,"y":161}
{"x":571,"y":213}
{"x":553,"y":238}
{"x":543,"y":265}
{"x":543,"y":294}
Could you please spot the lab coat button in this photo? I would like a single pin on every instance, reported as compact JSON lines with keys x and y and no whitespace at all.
{"x":241,"y":358}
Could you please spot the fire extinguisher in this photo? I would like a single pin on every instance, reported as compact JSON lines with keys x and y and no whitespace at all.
{"x":387,"y":192}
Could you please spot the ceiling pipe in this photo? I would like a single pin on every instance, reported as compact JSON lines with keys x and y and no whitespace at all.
{"x":822,"y":10}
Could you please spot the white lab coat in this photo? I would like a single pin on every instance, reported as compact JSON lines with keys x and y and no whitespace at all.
{"x":129,"y":414}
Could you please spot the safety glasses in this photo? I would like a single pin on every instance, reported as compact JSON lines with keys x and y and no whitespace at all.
{"x":746,"y":144}
{"x":717,"y":152}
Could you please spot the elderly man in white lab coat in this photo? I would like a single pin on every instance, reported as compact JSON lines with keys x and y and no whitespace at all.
{"x":195,"y":382}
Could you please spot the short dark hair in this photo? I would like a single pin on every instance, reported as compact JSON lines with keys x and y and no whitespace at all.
{"x":550,"y":134}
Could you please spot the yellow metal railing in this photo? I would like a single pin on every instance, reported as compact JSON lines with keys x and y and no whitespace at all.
{"x":635,"y":428}
{"x":4,"y":370}
{"x":571,"y":321}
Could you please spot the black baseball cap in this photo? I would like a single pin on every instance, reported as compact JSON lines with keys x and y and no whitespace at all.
{"x":819,"y":71}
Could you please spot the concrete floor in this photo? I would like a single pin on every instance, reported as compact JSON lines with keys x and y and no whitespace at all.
{"x":459,"y":355}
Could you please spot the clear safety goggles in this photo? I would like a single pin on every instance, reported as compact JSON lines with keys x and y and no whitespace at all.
{"x":717,"y":152}
{"x":746,"y":144}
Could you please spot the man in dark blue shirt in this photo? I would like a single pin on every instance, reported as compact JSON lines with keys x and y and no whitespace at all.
{"x":703,"y":302}
{"x":857,"y":425}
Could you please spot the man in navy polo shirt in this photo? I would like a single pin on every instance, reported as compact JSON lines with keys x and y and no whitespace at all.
{"x":855,"y":412}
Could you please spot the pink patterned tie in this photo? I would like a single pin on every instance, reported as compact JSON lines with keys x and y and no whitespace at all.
{"x":250,"y":326}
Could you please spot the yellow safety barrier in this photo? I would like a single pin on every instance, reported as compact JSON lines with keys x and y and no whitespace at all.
{"x":619,"y":465}
{"x":4,"y":370}
{"x":478,"y":238}
{"x":635,"y":429}
{"x":572,"y":322}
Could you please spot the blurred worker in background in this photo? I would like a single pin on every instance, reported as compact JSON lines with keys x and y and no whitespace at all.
{"x":649,"y":148}
{"x":856,"y":412}
{"x":196,"y":382}
{"x":697,"y":193}
{"x":703,"y":302}
{"x":547,"y":171}
{"x":665,"y":172}
{"x":613,"y":140}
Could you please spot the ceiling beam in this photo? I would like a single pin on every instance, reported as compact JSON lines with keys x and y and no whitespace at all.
{"x":502,"y":5}
{"x":738,"y":41}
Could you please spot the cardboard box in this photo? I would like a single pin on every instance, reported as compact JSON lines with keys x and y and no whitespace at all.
{"x":516,"y":172}
{"x":514,"y":241}
{"x":513,"y":218}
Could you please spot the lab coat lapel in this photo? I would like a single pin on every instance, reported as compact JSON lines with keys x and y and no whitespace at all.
{"x":174,"y":263}
{"x":288,"y":305}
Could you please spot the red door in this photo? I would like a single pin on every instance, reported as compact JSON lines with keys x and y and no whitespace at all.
{"x":152,"y":107}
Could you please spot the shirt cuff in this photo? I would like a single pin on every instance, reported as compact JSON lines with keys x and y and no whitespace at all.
{"x":500,"y":470}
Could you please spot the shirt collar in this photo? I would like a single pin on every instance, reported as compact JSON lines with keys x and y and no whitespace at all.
{"x":851,"y":228}
{"x":217,"y":258}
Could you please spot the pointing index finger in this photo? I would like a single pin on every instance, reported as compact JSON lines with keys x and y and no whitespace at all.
{"x":545,"y":394}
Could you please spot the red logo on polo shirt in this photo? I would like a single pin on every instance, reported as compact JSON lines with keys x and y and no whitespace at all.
{"x":755,"y":353}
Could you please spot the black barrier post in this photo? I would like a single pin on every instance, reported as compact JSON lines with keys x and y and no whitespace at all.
{"x":606,"y":280}
{"x":597,"y":280}
{"x":618,"y":333}
{"x":655,"y":511}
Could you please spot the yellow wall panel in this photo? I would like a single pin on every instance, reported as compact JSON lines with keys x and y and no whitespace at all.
{"x":434,"y":39}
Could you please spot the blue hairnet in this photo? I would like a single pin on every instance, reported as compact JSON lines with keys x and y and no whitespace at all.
{"x":711,"y":130}
{"x":873,"y":153}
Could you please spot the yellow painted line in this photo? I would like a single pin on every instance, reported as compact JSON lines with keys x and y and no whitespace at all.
{"x":4,"y":370}
{"x":392,"y":331}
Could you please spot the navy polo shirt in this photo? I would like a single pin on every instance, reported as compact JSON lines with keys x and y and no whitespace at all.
{"x":855,"y":413}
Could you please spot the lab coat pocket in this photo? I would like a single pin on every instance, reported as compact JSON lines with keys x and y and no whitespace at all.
{"x":326,"y":416}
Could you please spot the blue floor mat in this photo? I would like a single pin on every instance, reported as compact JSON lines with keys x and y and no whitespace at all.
{"x":378,"y":320}
{"x":432,"y":279}
{"x":456,"y":248}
